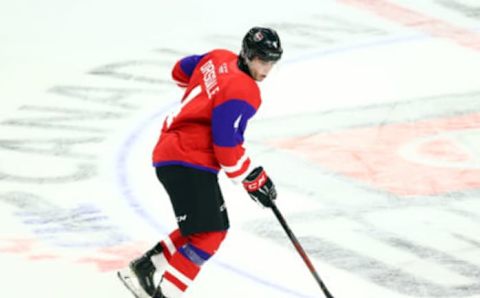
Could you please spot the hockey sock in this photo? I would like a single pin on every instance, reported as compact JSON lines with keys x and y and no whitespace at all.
{"x":164,"y":250}
{"x":185,"y":264}
{"x":172,"y":243}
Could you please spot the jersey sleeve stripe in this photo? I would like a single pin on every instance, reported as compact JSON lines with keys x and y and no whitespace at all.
{"x":238,"y":166}
{"x":189,"y":63}
{"x":180,"y":83}
{"x":229,"y":121}
{"x":241,"y":174}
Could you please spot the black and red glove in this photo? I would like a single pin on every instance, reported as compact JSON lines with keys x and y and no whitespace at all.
{"x":260,"y":187}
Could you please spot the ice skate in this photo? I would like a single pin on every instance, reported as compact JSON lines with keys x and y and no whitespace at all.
{"x":158,"y":293}
{"x":138,"y":277}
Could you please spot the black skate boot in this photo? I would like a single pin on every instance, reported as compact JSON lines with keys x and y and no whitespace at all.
{"x":144,"y":269}
{"x":158,"y":293}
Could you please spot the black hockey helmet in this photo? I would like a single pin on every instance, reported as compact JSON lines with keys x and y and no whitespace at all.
{"x":263,"y":43}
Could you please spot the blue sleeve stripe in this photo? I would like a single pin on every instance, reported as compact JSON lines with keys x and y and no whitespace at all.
{"x":189,"y":63}
{"x":229,"y":121}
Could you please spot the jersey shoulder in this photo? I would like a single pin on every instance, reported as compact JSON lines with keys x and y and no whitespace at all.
{"x":234,"y":83}
{"x":222,"y":54}
{"x":239,"y":85}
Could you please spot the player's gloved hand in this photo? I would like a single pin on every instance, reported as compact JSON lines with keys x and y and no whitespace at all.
{"x":260,"y":187}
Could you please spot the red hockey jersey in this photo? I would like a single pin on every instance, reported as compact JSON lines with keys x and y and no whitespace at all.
{"x":206,"y":132}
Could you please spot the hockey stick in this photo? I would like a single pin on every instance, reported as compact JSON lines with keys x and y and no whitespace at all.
{"x":300,"y":250}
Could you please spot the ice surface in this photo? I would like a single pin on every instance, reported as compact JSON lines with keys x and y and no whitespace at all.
{"x":369,"y":127}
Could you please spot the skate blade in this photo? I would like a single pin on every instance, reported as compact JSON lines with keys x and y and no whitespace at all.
{"x":129,"y":280}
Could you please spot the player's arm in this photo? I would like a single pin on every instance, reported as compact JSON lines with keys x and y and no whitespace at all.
{"x":229,"y":122}
{"x":183,"y":69}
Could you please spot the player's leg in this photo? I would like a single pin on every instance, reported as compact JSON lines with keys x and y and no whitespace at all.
{"x":185,"y":265}
{"x":139,"y":276}
{"x":168,"y":247}
{"x":155,"y":260}
{"x":143,"y":269}
{"x":202,"y":218}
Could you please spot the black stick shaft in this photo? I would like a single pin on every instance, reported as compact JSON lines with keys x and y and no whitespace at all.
{"x":300,"y":250}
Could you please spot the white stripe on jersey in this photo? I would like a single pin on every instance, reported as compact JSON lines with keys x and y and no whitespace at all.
{"x":237,"y":166}
{"x":244,"y":175}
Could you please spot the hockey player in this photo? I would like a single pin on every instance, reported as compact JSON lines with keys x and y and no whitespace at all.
{"x":204,"y":136}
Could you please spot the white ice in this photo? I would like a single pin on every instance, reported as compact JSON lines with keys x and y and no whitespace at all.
{"x":79,"y":198}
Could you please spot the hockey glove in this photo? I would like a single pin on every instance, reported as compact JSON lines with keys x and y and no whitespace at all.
{"x":260,"y":187}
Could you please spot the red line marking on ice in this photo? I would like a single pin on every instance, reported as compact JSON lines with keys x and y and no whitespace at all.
{"x":17,"y":246}
{"x":42,"y":257}
{"x":105,"y":265}
{"x":113,"y":258}
{"x":417,"y":20}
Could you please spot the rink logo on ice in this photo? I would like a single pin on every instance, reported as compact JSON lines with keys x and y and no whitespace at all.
{"x":104,"y":259}
{"x":358,"y":163}
{"x":58,"y":146}
{"x":428,"y":157}
{"x":54,"y":230}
